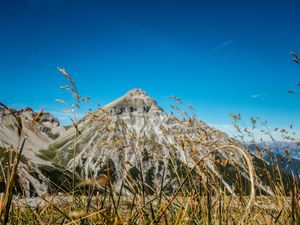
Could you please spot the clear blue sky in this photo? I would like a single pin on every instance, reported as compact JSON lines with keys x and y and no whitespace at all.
{"x":220,"y":56}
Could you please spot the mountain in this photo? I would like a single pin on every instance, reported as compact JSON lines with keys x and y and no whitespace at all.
{"x":280,"y":148}
{"x":40,"y":129}
{"x":283,"y":154}
{"x":133,"y":141}
{"x":39,"y":135}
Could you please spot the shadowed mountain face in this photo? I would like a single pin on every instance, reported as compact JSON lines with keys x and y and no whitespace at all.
{"x":133,"y":141}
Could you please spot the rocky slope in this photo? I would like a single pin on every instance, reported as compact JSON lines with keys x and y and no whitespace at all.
{"x":134,"y":136}
{"x":40,"y":129}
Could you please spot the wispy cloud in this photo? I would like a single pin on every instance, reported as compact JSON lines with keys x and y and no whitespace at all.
{"x":227,"y":54}
{"x":259,"y":95}
{"x":223,"y":45}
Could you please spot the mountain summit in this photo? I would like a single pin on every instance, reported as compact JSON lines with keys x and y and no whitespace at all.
{"x":135,"y":100}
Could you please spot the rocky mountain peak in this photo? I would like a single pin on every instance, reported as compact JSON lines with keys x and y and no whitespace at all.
{"x":27,"y":109}
{"x":136,"y":92}
{"x":134,"y":101}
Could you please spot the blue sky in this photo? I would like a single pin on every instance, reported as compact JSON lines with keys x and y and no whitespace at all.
{"x":220,"y":56}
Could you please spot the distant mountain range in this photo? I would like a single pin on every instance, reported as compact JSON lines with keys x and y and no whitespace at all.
{"x":285,"y":154}
{"x":131,"y":140}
